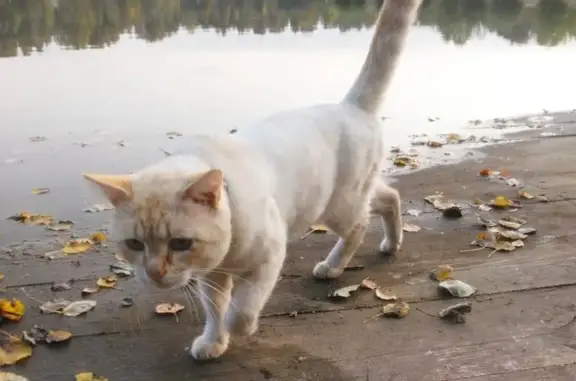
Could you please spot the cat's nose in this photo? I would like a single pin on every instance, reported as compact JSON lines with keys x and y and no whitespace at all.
{"x":156,"y":270}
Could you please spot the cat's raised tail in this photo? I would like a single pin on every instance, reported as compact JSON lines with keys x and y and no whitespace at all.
{"x":392,"y":26}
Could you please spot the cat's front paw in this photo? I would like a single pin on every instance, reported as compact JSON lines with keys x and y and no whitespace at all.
{"x":391,"y":246}
{"x":204,"y":349}
{"x":323,"y":271}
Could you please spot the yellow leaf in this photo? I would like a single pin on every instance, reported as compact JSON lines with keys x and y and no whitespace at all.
{"x":525,"y":195}
{"x":98,"y":237}
{"x":7,"y":376}
{"x":11,"y":309}
{"x":38,"y":191}
{"x":485,"y":172}
{"x":319,"y":228}
{"x":76,"y":246}
{"x":500,"y":202}
{"x":89,"y":376}
{"x":31,"y":219}
{"x":442,"y":272}
{"x":107,"y":282}
{"x":57,"y":336}
{"x":14,"y":351}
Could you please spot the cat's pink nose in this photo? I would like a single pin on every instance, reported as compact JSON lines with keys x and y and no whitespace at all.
{"x":158,"y":272}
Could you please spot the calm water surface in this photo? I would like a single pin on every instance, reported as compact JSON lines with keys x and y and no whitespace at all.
{"x":105,"y":81}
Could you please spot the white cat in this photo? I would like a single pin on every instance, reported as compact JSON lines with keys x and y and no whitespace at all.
{"x":222,"y":213}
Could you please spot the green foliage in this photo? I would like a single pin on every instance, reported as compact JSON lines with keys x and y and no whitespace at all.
{"x":29,"y":25}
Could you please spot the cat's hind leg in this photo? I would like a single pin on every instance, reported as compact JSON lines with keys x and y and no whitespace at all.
{"x":386,"y":203}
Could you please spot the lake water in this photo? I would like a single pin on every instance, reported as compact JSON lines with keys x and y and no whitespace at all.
{"x":102,"y":82}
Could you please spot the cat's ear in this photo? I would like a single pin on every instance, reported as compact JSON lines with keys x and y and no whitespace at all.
{"x":207,"y":189}
{"x":117,"y":188}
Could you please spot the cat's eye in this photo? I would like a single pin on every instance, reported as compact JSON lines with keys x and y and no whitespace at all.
{"x":134,"y":244}
{"x":180,"y":244}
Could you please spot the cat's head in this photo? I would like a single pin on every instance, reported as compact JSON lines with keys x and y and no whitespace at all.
{"x":171,"y":226}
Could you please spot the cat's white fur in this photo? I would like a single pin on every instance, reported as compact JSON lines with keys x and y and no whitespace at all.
{"x":242,"y":197}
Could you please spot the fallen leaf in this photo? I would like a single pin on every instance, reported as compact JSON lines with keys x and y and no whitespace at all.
{"x":542,"y":198}
{"x":89,"y":291}
{"x":434,"y":144}
{"x":485,"y":222}
{"x":7,"y":376}
{"x":414,"y":212}
{"x":98,"y":208}
{"x":511,"y":222}
{"x":369,"y":284}
{"x":441,"y":273}
{"x":60,"y":226}
{"x":437,"y":202}
{"x":500,"y":202}
{"x":527,"y":231}
{"x":511,"y":235}
{"x":89,"y":376}
{"x":107,"y":282}
{"x":78,"y":308}
{"x":453,"y":138}
{"x":1,"y":276}
{"x":457,"y":288}
{"x":411,"y":227}
{"x":503,"y":246}
{"x":55,"y":306}
{"x":344,"y":292}
{"x":15,"y":350}
{"x":456,"y":312}
{"x":98,"y":237}
{"x":38,"y":191}
{"x":63,"y":286}
{"x":57,"y":336}
{"x":513,"y":182}
{"x":171,"y":308}
{"x":398,"y":310}
{"x":122,"y":268}
{"x":37,"y":138}
{"x":77,"y":246}
{"x":11,"y":309}
{"x":452,"y":212}
{"x":518,"y":243}
{"x":319,"y":228}
{"x":485,"y":172}
{"x":31,"y":219}
{"x":35,"y":335}
{"x":525,"y":195}
{"x":126,"y":302}
{"x":173,"y":134}
{"x":386,"y":295}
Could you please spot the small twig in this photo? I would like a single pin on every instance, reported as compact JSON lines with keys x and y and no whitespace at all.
{"x":489,"y":255}
{"x":30,"y":296}
{"x":426,"y":313}
{"x":373,"y":317}
{"x":471,"y":250}
{"x":9,"y":335}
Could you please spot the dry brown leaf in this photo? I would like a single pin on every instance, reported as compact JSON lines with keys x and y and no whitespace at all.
{"x":60,"y":226}
{"x":107,"y":282}
{"x":12,"y":309}
{"x":457,"y":288}
{"x":98,"y":237}
{"x":456,"y":312}
{"x":122,"y":268}
{"x":525,"y":195}
{"x":54,"y":306}
{"x":89,"y":290}
{"x":527,"y":230}
{"x":168,"y":308}
{"x":98,"y":208}
{"x":14,"y":351}
{"x":513,"y":182}
{"x":414,"y":212}
{"x":78,"y":308}
{"x":542,"y":198}
{"x":369,"y":284}
{"x":434,"y":144}
{"x":506,"y":234}
{"x":89,"y":376}
{"x":344,"y":292}
{"x":31,"y":219}
{"x":386,"y":295}
{"x":485,"y":172}
{"x":57,"y":336}
{"x":511,"y":222}
{"x":38,"y":191}
{"x":319,"y":228}
{"x":441,"y":273}
{"x":7,"y":376}
{"x":411,"y":228}
{"x":77,"y":246}
{"x":503,"y":246}
{"x":398,"y":309}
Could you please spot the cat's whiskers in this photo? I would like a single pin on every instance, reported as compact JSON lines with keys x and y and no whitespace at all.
{"x":231,"y":302}
{"x":191,"y":302}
